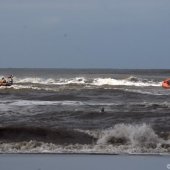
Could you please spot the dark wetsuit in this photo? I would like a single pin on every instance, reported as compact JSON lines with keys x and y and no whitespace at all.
{"x":9,"y":83}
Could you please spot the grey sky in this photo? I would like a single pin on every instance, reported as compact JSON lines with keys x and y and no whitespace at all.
{"x":85,"y":33}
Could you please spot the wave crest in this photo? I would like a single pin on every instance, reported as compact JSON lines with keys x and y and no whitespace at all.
{"x":131,"y":81}
{"x":138,"y":136}
{"x":122,"y":138}
{"x":51,"y":81}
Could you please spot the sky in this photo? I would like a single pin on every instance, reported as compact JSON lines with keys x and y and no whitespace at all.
{"x":85,"y":34}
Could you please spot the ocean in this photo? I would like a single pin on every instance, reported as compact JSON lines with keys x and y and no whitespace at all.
{"x":109,"y":111}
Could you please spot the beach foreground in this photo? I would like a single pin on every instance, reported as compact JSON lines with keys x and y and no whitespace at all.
{"x":83,"y":162}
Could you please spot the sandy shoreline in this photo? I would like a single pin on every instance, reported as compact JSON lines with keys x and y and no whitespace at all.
{"x":83,"y":161}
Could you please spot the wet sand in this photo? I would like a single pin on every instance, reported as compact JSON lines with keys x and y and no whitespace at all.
{"x":83,"y":162}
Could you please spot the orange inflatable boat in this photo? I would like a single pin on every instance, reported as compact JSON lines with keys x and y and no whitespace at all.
{"x":166,"y":83}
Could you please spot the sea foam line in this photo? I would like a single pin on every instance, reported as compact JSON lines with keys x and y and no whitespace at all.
{"x":121,"y":138}
{"x":94,"y":82}
{"x":114,"y":82}
{"x":65,"y":102}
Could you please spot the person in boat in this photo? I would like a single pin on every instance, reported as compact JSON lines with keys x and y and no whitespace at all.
{"x":8,"y":82}
{"x":3,"y":80}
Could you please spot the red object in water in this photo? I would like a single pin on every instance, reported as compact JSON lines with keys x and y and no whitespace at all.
{"x":166,"y":83}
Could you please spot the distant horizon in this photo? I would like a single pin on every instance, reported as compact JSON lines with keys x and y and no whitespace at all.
{"x":85,"y":68}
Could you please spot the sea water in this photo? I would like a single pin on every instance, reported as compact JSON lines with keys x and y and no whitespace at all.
{"x":85,"y":111}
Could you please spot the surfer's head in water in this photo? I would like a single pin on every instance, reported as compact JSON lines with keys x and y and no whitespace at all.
{"x":102,"y":109}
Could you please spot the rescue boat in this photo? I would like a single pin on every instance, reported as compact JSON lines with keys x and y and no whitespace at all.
{"x":5,"y":84}
{"x":166,"y":83}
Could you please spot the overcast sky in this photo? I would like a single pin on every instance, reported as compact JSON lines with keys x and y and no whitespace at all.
{"x":85,"y":33}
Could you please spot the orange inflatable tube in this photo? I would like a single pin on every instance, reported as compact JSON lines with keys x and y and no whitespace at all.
{"x":166,"y":83}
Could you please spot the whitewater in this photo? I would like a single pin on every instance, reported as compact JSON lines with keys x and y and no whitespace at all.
{"x":85,"y":111}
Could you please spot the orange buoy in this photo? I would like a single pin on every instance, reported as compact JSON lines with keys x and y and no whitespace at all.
{"x":166,"y":83}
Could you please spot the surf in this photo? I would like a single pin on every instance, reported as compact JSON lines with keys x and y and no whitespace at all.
{"x":121,"y":138}
{"x":130,"y":81}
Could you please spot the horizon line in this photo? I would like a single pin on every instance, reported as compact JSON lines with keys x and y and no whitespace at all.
{"x":85,"y":68}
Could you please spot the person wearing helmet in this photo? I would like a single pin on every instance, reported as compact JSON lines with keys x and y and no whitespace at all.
{"x":10,"y":80}
{"x":3,"y":80}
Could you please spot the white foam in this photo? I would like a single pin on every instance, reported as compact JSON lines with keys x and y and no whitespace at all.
{"x":51,"y":84}
{"x":34,"y":102}
{"x":20,"y":87}
{"x":131,"y":81}
{"x":144,"y":91}
{"x":61,"y":81}
{"x":17,"y":87}
{"x":125,"y":82}
{"x":65,"y":102}
{"x":76,"y":80}
{"x":140,"y":139}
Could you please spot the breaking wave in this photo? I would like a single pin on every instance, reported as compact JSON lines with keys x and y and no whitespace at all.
{"x":131,"y":81}
{"x":134,"y":138}
{"x":122,"y":138}
{"x":50,"y":81}
{"x":134,"y":135}
{"x":82,"y":82}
